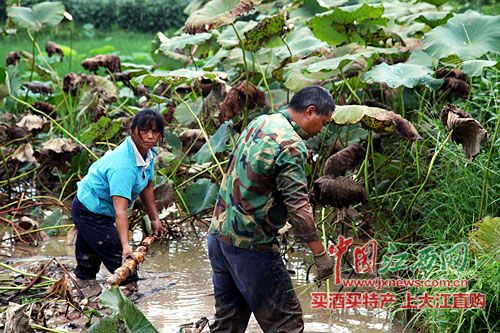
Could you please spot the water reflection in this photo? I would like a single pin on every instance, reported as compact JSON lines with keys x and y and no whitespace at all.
{"x":176,"y":287}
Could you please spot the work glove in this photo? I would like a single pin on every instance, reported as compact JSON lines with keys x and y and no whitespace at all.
{"x":324,"y":264}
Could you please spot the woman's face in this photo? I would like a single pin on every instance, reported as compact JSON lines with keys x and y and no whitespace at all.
{"x":145,"y":139}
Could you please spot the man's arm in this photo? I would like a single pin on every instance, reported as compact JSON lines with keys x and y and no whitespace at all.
{"x":148,"y":199}
{"x":120,"y":205}
{"x":292,"y":183}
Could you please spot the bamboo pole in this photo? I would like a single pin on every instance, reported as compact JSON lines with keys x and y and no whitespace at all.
{"x":130,"y":264}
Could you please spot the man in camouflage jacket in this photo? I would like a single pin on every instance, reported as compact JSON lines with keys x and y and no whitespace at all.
{"x":265,"y":183}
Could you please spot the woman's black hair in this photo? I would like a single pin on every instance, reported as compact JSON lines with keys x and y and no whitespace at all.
{"x":148,"y":119}
{"x":314,"y":95}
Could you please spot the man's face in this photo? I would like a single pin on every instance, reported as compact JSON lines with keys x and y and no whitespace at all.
{"x":313,"y":122}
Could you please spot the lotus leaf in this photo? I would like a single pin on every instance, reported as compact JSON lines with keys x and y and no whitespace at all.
{"x":469,"y":36}
{"x":407,"y":75}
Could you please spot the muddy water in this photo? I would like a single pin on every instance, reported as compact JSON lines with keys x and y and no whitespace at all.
{"x":176,"y":288}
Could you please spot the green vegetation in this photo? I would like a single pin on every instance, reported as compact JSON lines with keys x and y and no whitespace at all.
{"x":418,"y":94}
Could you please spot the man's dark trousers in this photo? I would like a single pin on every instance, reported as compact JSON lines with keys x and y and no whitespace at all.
{"x":247,"y":281}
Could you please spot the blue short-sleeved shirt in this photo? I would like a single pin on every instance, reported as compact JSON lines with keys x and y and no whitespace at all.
{"x":118,"y":173}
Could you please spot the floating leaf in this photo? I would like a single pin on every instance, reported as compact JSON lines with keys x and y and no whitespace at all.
{"x":377,"y":119}
{"x":265,"y":30}
{"x":217,"y":13}
{"x":407,"y":75}
{"x":466,"y":130}
{"x":218,"y":142}
{"x":201,"y":195}
{"x":468,"y":36}
{"x":134,"y":319}
{"x":40,"y":15}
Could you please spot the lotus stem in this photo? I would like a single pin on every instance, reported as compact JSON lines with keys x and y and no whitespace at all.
{"x":57,"y":125}
{"x":247,"y":75}
{"x":203,"y":131}
{"x":15,"y":270}
{"x":420,"y":189}
{"x":484,"y":185}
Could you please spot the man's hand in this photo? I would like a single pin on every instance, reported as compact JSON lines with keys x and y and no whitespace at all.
{"x":127,"y":250}
{"x":158,"y":229}
{"x":324,"y":264}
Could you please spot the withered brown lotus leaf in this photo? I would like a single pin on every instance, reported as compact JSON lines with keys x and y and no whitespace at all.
{"x":59,"y":145}
{"x":344,"y":160}
{"x":164,"y":195}
{"x":189,"y":136}
{"x":12,"y":58}
{"x":44,"y":107}
{"x":52,"y":48}
{"x":39,"y":88}
{"x":339,"y":192}
{"x":466,"y":130}
{"x":456,"y":86}
{"x":72,"y":82}
{"x":169,"y":115}
{"x":451,"y":73}
{"x":24,"y":153}
{"x":234,"y":102}
{"x":111,"y":62}
{"x":32,"y":122}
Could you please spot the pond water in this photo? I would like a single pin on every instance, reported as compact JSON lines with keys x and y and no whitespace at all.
{"x":176,"y":288}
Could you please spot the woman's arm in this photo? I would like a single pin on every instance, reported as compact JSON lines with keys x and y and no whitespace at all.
{"x":120,"y":205}
{"x":148,"y":199}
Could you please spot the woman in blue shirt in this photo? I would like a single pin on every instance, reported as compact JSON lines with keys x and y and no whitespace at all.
{"x":111,"y":185}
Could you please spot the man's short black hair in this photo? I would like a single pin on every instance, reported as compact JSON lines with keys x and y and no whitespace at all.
{"x":314,"y":95}
{"x":148,"y":119}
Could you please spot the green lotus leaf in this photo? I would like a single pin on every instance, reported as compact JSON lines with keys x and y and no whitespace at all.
{"x":181,"y":42}
{"x":302,"y":43}
{"x":175,"y":77}
{"x":201,"y":195}
{"x":407,"y":75}
{"x":435,"y":2}
{"x":419,"y":57}
{"x":266,"y":29}
{"x":133,"y":319}
{"x":333,"y":26}
{"x":468,"y":36}
{"x":215,"y":61}
{"x":217,"y":13}
{"x":218,"y":143}
{"x":228,"y":39}
{"x":434,"y":19}
{"x":296,"y":77}
{"x":4,"y":84}
{"x":376,"y":119}
{"x":476,"y":67}
{"x":335,"y":63}
{"x":40,"y":15}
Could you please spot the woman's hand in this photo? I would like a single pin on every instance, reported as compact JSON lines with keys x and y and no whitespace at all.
{"x":127,"y":250}
{"x":158,"y":229}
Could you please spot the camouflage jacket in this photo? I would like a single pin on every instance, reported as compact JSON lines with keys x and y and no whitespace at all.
{"x":264,"y":183}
